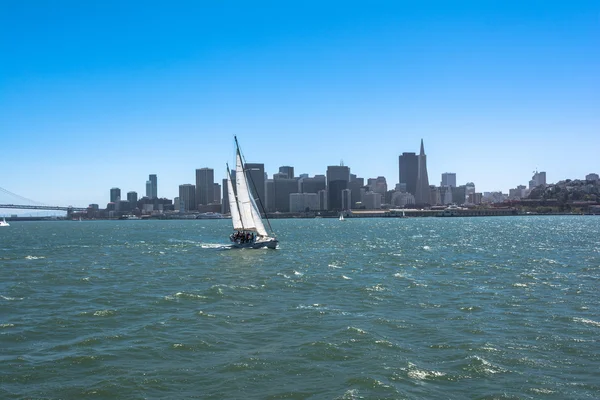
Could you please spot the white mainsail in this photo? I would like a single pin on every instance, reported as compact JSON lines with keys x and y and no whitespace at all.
{"x":249,"y":214}
{"x":233,"y":205}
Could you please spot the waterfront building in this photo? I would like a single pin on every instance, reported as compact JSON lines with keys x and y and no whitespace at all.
{"x":115,"y":195}
{"x":372,"y":200}
{"x":402,"y":199}
{"x":153,"y":188}
{"x":492,"y":197}
{"x":520,"y":192}
{"x":187,"y":197}
{"x":422,"y":190}
{"x":448,"y":179}
{"x":303,"y":202}
{"x":408,"y":166}
{"x":255,"y":173}
{"x":338,"y":177}
{"x":475,"y":198}
{"x":205,"y":186}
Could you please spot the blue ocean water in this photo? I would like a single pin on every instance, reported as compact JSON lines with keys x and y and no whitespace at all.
{"x":382,"y":308}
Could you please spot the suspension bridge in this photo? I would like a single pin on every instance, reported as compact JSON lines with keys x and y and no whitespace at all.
{"x":14,"y":201}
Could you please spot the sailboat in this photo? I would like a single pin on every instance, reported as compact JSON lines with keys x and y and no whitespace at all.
{"x":4,"y":223}
{"x":342,"y":216}
{"x":248,"y":226}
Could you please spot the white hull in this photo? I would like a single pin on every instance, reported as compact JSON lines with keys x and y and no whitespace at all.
{"x":4,"y":223}
{"x":271,"y":243}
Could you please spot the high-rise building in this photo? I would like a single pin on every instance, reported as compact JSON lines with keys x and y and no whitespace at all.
{"x":225,"y":203}
{"x":205,"y":186}
{"x":355,"y":185}
{"x":459,"y":195}
{"x":408,"y":166}
{"x":422,"y":194}
{"x":338,"y":177}
{"x":313,"y":185}
{"x":539,"y":178}
{"x":346,"y":199}
{"x":115,"y":195}
{"x":289,"y":171}
{"x":152,"y":189}
{"x":217,"y":192}
{"x":132,"y":198}
{"x":279,"y":190}
{"x":187,"y":197}
{"x":255,"y":174}
{"x":322,"y":199}
{"x":448,"y":179}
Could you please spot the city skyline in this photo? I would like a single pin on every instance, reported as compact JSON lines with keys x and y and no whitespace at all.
{"x":100,"y":96}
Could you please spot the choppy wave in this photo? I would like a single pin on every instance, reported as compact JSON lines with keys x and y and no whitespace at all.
{"x":386,"y":308}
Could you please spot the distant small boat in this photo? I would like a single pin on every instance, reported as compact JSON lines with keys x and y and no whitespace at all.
{"x":209,"y":215}
{"x":4,"y":223}
{"x":342,"y":217}
{"x":129,"y":216}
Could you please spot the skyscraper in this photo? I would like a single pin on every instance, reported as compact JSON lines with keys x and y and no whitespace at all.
{"x":255,"y":173}
{"x":539,"y":178}
{"x":448,"y":179}
{"x":408,"y":166}
{"x":338,"y":177}
{"x":187,"y":197}
{"x":289,"y":171}
{"x":151,"y":187}
{"x":205,"y":186}
{"x":115,"y":195}
{"x":132,"y":198}
{"x":422,"y":190}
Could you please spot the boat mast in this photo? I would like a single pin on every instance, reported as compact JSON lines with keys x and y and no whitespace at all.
{"x":262,"y":206}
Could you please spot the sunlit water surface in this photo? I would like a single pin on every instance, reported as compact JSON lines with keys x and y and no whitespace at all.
{"x":415,"y":308}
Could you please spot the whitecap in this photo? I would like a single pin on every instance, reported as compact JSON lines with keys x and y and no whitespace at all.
{"x":345,"y":277}
{"x":10,"y":298}
{"x":587,"y":321}
{"x":104,"y":313}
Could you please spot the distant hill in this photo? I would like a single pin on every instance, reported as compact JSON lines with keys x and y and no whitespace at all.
{"x":568,"y":192}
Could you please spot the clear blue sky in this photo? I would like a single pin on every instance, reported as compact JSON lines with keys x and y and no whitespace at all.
{"x":95,"y":95}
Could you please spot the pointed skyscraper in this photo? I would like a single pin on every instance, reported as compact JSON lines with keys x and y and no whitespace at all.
{"x":422,"y":192}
